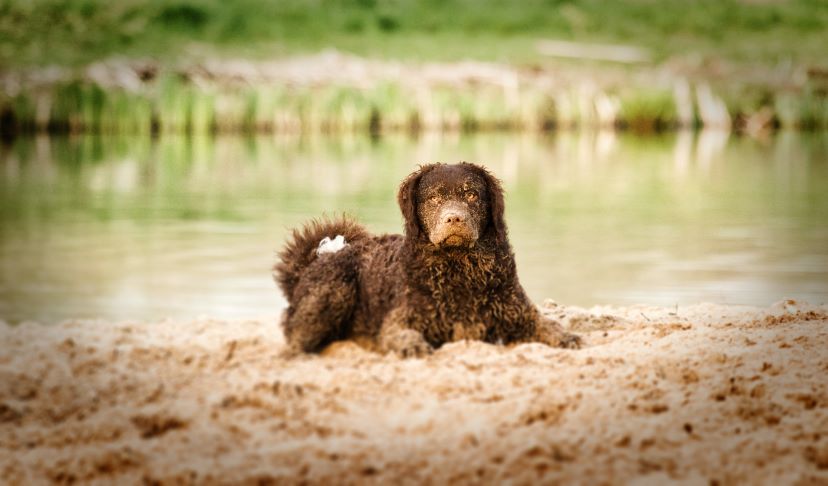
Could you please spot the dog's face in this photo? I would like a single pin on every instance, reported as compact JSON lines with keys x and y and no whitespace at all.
{"x":452,"y":205}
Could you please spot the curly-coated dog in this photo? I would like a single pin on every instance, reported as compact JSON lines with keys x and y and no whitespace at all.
{"x":450,"y":277}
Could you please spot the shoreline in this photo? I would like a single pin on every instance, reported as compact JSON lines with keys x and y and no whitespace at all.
{"x":336,"y":92}
{"x":700,"y":394}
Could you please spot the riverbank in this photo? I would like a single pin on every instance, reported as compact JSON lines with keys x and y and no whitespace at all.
{"x":336,"y":92}
{"x":703,"y":393}
{"x":255,"y":66}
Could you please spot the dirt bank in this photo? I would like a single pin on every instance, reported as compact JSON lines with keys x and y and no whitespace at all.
{"x":701,"y":394}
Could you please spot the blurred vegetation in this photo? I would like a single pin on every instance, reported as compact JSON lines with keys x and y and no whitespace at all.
{"x":171,"y":104}
{"x":73,"y":32}
{"x":760,"y":64}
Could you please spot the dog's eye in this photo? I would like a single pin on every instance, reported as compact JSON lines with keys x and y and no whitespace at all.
{"x":471,"y":196}
{"x":435,"y":199}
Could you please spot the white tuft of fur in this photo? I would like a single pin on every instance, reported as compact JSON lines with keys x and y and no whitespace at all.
{"x":328,"y":245}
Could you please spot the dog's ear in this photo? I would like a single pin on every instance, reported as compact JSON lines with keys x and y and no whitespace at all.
{"x":497,"y":223}
{"x":407,"y":199}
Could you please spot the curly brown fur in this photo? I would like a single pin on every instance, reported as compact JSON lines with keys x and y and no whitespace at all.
{"x":300,"y":250}
{"x":452,"y":276}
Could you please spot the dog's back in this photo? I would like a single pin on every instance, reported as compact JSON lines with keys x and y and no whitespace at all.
{"x":380,"y":283}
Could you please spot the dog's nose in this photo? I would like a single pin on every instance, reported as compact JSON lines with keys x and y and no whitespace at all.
{"x":454,"y":217}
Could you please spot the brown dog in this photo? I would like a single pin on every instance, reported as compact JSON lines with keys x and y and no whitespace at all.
{"x":450,"y":277}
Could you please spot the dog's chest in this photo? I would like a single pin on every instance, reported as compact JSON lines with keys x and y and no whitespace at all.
{"x":455,"y":316}
{"x":455,"y":297}
{"x":463,"y":274}
{"x":461,"y":294}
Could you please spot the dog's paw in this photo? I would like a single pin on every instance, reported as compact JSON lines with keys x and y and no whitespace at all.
{"x":407,"y":344}
{"x":550,"y":332}
{"x":570,"y":341}
{"x":415,"y":350}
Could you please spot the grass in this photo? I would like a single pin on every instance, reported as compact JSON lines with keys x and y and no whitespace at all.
{"x":172,"y":104}
{"x":699,"y":36}
{"x":649,"y":110}
{"x":75,"y":32}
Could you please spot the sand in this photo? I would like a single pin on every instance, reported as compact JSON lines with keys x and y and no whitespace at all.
{"x":702,"y":395}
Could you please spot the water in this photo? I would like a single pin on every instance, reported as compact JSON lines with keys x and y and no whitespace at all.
{"x":139,"y":228}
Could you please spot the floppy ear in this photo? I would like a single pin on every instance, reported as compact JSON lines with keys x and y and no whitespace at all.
{"x":407,"y":199}
{"x":497,"y":224}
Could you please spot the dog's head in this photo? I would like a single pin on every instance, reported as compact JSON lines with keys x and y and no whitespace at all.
{"x":452,"y":205}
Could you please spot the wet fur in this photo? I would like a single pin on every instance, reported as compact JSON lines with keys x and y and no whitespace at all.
{"x":403,"y":293}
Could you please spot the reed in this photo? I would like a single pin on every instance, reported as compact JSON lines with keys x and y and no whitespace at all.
{"x":536,"y":110}
{"x":18,"y":114}
{"x":231,"y":110}
{"x":647,"y":110}
{"x":172,"y":104}
{"x":387,"y":107}
{"x":202,"y":111}
{"x":173,"y":110}
{"x":803,"y":111}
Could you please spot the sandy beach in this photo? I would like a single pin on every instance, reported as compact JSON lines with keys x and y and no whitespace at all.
{"x":704,"y":394}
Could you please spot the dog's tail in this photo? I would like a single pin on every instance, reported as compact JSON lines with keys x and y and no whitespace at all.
{"x":300,"y":250}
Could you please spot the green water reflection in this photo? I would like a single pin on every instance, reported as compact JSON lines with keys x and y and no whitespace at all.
{"x":145,"y":228}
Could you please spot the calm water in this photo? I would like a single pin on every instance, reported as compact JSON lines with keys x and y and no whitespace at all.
{"x":143,"y":229}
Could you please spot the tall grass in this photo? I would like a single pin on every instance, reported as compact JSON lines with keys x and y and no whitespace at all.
{"x":805,"y":110}
{"x":648,"y":110}
{"x":171,"y":104}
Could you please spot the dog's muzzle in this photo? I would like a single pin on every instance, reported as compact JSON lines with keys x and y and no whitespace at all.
{"x":454,"y":227}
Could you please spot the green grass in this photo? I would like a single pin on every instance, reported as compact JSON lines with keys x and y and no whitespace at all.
{"x":74,"y":32}
{"x":697,"y":38}
{"x":646,"y":111}
{"x":172,"y":104}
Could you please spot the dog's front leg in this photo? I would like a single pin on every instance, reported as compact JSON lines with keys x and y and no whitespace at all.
{"x":517,"y":320}
{"x":395,"y":336}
